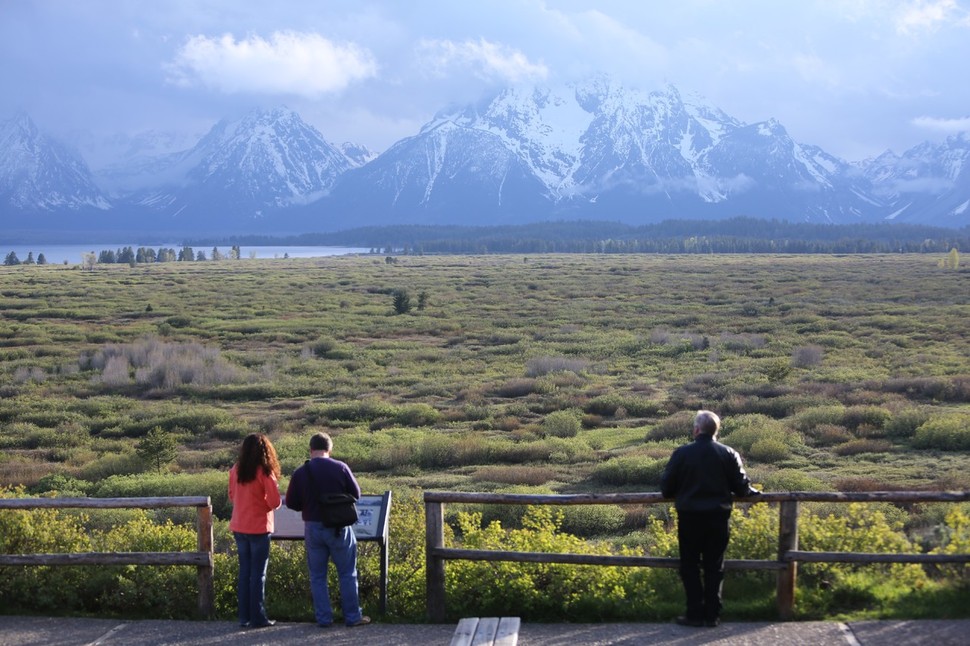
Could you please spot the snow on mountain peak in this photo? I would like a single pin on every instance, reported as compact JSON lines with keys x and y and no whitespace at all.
{"x":40,"y":173}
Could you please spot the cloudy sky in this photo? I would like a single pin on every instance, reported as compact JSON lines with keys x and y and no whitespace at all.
{"x":853,"y":76}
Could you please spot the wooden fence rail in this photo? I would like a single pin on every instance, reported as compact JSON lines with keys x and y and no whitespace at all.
{"x":786,"y":563}
{"x":202,"y":559}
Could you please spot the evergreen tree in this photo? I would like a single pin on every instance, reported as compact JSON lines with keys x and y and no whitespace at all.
{"x":30,"y":258}
{"x":157,"y":449}
{"x":126,"y":255}
{"x":11,"y":259}
{"x":402,"y":301}
{"x":41,"y":259}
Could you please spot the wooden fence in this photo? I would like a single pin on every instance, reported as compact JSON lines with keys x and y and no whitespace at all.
{"x":202,"y":559}
{"x":786,"y":563}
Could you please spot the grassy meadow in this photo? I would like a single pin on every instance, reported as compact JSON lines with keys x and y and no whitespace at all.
{"x":546,"y":373}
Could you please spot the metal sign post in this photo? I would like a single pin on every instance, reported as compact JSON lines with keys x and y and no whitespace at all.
{"x":372,"y":525}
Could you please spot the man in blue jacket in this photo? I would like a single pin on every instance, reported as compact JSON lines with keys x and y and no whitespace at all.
{"x":701,"y":477}
{"x":323,"y":474}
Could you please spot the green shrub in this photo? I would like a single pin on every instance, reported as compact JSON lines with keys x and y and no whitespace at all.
{"x":112,"y":464}
{"x":49,"y":590}
{"x":374,"y":411}
{"x":856,"y":447}
{"x":591,"y":520}
{"x":905,"y":422}
{"x":62,"y":485}
{"x":856,"y":528}
{"x":633,"y":470}
{"x":807,"y":419}
{"x":677,"y":426}
{"x":416,"y":415}
{"x":873,"y":417}
{"x":515,"y":475}
{"x":742,"y":432}
{"x":769,"y":450}
{"x":608,"y":405}
{"x":792,"y":480}
{"x":214,"y":484}
{"x":946,"y":432}
{"x":537,"y":591}
{"x":562,"y":423}
{"x":516,"y":388}
{"x":143,"y":590}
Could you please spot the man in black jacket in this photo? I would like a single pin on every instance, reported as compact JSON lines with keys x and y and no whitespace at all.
{"x":701,"y":477}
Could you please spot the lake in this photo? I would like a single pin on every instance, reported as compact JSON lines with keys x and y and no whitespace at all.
{"x":57,"y":254}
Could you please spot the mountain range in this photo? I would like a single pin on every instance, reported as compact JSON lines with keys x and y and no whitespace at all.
{"x":592,"y":151}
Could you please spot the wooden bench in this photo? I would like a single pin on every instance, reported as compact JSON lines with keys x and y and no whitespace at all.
{"x":487,"y":631}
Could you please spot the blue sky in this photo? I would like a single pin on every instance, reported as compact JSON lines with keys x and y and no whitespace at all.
{"x":853,"y":76}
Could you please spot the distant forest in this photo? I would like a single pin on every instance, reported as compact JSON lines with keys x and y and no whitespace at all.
{"x":736,"y":235}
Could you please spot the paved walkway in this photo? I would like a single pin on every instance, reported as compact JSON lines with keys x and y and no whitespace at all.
{"x":48,"y":631}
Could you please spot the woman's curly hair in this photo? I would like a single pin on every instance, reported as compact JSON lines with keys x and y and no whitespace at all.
{"x":256,"y":452}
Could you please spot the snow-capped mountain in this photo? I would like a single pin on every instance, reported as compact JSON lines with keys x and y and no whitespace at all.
{"x":266,"y":161}
{"x":39,"y":174}
{"x":447,"y":173}
{"x":929,"y":183}
{"x":592,"y":150}
{"x":600,"y":150}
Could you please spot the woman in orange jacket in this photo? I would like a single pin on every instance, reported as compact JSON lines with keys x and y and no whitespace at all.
{"x":254,"y":492}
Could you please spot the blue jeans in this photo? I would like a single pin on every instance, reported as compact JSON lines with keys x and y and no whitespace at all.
{"x":251,"y":586}
{"x":340,"y":546}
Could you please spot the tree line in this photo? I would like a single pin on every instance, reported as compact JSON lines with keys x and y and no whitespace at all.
{"x":132,"y":256}
{"x":734,"y":235}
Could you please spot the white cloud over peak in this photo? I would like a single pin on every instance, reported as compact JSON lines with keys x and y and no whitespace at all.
{"x":943,"y":125}
{"x":303,"y":64}
{"x":487,"y":60}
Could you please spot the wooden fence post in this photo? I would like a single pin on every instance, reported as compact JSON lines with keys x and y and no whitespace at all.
{"x":206,"y":572}
{"x":787,"y":542}
{"x":434,"y":564}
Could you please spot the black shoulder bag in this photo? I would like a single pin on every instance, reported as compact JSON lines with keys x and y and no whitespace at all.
{"x":336,"y":509}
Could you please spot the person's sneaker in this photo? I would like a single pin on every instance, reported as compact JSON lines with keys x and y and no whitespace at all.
{"x":687,"y":621}
{"x":267,"y":624}
{"x":363,"y":621}
{"x":712,"y":623}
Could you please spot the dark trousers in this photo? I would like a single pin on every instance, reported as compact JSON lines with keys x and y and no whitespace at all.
{"x":703,"y":539}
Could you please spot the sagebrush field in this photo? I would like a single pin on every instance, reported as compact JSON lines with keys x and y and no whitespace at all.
{"x":547,"y":373}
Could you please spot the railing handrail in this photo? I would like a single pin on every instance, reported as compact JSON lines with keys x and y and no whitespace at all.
{"x":203,"y":559}
{"x":656,"y":497}
{"x":788,"y":553}
{"x":105,"y":503}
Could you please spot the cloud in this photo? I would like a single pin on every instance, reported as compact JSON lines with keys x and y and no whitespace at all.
{"x":943,"y":125}
{"x":929,"y":15}
{"x":931,"y":185}
{"x":487,"y":60}
{"x":813,"y":69}
{"x":290,"y":62}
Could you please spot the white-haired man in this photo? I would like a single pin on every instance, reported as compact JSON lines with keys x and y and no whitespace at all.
{"x":702,"y":477}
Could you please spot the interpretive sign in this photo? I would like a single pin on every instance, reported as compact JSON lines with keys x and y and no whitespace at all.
{"x":372,"y":511}
{"x":372,"y":525}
